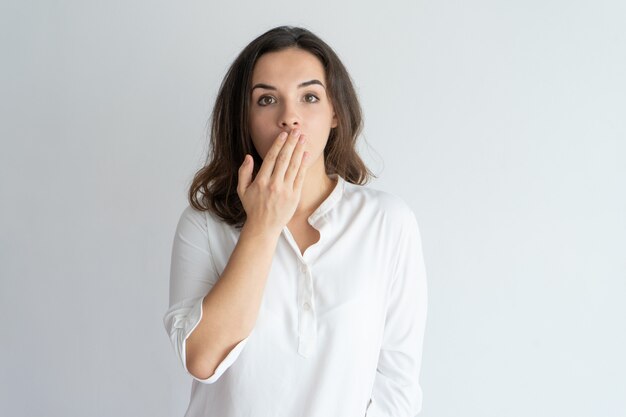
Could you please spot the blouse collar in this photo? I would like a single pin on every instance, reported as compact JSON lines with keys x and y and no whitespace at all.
{"x":330,"y":201}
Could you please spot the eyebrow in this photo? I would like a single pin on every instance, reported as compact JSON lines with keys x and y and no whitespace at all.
{"x":304,"y":84}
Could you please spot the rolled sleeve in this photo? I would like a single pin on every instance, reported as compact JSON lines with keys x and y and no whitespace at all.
{"x":192,"y":275}
{"x":397,"y":391}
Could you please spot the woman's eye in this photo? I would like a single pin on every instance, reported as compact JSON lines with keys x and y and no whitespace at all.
{"x":311,"y":98}
{"x":263,"y":102}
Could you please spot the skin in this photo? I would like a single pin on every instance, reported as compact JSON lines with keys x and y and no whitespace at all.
{"x":285,"y":191}
{"x":289,"y":107}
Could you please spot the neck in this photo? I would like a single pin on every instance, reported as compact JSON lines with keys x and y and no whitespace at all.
{"x":316,"y":188}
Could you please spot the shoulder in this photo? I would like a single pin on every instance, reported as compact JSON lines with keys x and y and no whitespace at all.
{"x":200,"y":219}
{"x":193,"y":216}
{"x":380,"y":202}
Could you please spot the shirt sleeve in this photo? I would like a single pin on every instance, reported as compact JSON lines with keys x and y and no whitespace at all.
{"x":397,"y":391}
{"x":192,"y":275}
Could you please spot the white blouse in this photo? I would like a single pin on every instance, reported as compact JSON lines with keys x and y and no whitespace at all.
{"x":340,"y":329}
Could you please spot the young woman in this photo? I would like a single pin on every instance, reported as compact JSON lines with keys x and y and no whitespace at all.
{"x":295,"y":290}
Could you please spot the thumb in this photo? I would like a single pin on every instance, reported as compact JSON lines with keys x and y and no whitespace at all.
{"x":245,"y":175}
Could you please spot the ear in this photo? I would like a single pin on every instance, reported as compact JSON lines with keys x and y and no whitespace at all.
{"x":334,"y":122}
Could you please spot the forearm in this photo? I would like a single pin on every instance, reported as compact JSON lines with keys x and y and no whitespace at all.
{"x":231,"y":308}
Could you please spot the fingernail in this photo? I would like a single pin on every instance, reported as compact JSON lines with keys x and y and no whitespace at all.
{"x":296,"y":132}
{"x":283,"y":135}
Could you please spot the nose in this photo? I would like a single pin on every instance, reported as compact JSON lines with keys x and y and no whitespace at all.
{"x":289,"y":118}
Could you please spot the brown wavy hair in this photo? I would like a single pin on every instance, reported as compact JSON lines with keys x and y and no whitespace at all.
{"x":214,"y":186}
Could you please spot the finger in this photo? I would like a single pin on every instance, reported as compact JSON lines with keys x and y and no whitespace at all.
{"x":304,"y":166}
{"x":296,"y":160}
{"x":267,"y":166}
{"x":245,"y":175}
{"x":284,"y":156}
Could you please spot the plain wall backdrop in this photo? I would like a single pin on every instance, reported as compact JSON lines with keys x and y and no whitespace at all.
{"x":501,"y":123}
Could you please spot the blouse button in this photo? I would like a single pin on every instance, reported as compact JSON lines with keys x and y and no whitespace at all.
{"x":307,"y":306}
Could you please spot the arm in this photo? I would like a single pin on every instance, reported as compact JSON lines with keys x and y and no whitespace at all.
{"x":397,"y":391}
{"x":210,"y":317}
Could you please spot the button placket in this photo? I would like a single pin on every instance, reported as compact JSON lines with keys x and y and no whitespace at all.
{"x":307,"y":325}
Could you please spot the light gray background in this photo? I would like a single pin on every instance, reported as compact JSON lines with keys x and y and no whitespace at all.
{"x":502,"y":124}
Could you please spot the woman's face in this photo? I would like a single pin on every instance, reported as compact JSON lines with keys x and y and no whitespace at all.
{"x":289,"y":91}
